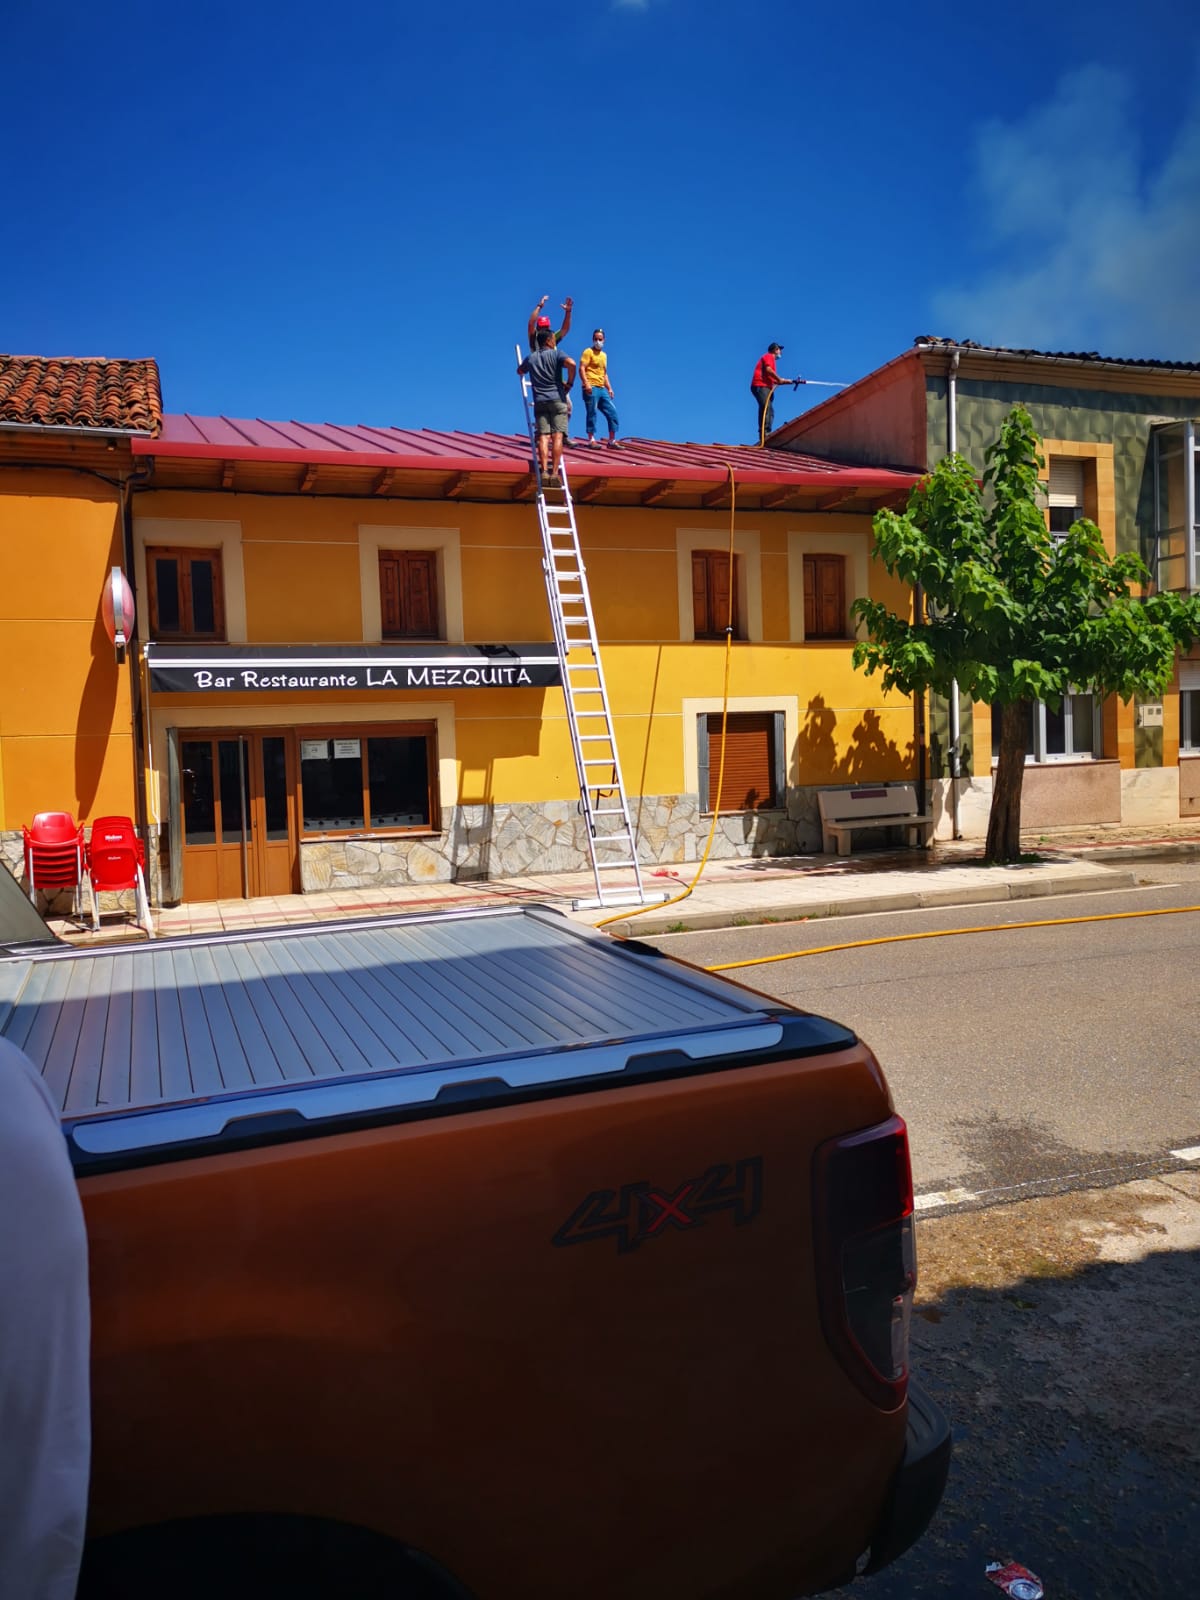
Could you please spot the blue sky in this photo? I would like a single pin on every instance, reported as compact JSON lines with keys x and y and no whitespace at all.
{"x":345,"y":213}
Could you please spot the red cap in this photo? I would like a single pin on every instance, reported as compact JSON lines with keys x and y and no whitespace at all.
{"x":543,"y":322}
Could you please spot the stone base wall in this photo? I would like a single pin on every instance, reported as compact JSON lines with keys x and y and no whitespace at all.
{"x":510,"y":841}
{"x":59,"y":904}
{"x":507,"y":841}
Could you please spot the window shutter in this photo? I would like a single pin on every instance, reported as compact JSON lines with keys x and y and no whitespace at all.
{"x":824,"y":597}
{"x":833,"y":597}
{"x":779,"y":750}
{"x":718,"y":569}
{"x":408,"y":600}
{"x":702,"y":763}
{"x":749,"y":779}
{"x":1066,"y":481}
{"x":420,"y":599}
{"x":700,"y":607}
{"x":389,"y":592}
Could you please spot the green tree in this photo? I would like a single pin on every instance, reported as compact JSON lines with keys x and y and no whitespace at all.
{"x":1010,"y":612}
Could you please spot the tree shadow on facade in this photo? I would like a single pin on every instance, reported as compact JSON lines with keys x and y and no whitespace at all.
{"x":871,"y":756}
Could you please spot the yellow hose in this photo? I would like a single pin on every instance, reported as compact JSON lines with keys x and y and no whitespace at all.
{"x":660,"y":905}
{"x":948,"y":933}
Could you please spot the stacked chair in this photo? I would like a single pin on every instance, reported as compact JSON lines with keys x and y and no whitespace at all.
{"x":55,"y":855}
{"x":116,"y":860}
{"x":113,"y":860}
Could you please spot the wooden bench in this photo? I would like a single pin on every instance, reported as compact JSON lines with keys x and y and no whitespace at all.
{"x":891,"y":805}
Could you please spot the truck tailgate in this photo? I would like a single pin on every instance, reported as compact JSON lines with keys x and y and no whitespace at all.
{"x":156,"y":1048}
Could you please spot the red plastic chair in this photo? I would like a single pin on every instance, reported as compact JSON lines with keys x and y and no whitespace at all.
{"x":54,"y":854}
{"x":116,"y":860}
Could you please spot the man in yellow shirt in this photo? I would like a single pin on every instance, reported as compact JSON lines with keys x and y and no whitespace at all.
{"x":597,"y":390}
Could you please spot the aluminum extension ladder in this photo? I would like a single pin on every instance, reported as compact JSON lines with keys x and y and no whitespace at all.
{"x":611,"y":842}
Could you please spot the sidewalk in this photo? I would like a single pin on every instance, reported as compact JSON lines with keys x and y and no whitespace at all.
{"x":730,"y":892}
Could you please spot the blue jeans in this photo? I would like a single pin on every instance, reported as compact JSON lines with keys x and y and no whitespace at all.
{"x":599,"y":399}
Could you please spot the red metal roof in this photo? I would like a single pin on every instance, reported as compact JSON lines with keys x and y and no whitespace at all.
{"x":80,"y":392}
{"x":413,"y":449}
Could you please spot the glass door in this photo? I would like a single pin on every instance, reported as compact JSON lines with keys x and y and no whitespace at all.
{"x":237,"y":803}
{"x":276,"y":859}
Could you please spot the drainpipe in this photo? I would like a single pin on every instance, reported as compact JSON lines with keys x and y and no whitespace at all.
{"x":1189,"y":499}
{"x":132,"y":656}
{"x":955,"y":731}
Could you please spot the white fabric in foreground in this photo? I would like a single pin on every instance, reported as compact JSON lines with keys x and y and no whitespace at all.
{"x":45,"y":1423}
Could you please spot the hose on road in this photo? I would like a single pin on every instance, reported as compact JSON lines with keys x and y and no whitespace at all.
{"x":948,"y":933}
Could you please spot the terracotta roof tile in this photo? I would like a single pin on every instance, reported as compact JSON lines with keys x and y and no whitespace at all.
{"x":80,"y":392}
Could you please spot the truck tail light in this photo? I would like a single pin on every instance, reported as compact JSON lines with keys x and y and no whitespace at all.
{"x":866,"y":1255}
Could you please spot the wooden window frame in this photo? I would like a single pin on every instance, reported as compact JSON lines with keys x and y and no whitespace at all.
{"x":815,"y":563}
{"x":404,"y":562}
{"x":711,"y":568}
{"x":707,"y":762}
{"x":363,"y":732}
{"x":185,"y":555}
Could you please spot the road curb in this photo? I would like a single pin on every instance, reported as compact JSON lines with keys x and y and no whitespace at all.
{"x":680,"y":920}
{"x":1181,"y":850}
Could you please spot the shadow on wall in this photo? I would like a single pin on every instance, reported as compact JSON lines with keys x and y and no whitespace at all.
{"x":871,"y":756}
{"x":650,"y":727}
{"x":94,"y":720}
{"x":474,"y":816}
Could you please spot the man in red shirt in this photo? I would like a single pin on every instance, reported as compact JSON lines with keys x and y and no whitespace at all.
{"x":763,"y":386}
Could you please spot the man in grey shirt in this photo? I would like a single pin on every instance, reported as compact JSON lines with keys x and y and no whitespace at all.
{"x":551,"y":414}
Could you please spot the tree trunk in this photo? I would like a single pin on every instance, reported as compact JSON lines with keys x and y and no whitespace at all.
{"x":1004,"y":823}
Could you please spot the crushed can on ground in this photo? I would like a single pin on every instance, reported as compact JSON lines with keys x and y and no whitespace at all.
{"x":1015,"y":1580}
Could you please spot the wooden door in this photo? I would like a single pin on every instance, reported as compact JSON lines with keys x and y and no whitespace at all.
{"x":213,"y":798}
{"x":238,"y":816}
{"x":276,"y":857}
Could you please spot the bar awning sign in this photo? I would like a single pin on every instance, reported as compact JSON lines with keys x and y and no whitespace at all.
{"x":325,"y":669}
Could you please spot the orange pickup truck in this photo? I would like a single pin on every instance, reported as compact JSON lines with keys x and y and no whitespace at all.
{"x":478,"y":1255}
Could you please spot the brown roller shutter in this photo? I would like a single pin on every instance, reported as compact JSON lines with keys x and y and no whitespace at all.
{"x":749,"y":782}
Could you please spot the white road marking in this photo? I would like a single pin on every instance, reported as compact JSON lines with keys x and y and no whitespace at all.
{"x":945,"y":1197}
{"x":1190,"y":1153}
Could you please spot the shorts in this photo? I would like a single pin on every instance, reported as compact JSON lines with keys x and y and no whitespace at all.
{"x":551,"y":416}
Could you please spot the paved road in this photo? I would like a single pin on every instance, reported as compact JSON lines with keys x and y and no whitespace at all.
{"x":1058,"y":1329}
{"x":1034,"y":1057}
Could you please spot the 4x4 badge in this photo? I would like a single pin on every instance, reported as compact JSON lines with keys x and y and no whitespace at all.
{"x":640,"y":1211}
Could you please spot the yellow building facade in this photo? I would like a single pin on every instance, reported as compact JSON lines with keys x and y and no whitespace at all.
{"x":344,"y":671}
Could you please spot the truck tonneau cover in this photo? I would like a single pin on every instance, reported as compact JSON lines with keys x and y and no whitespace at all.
{"x":402,"y":1007}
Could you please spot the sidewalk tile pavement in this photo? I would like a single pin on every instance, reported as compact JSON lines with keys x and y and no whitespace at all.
{"x":729,"y":892}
